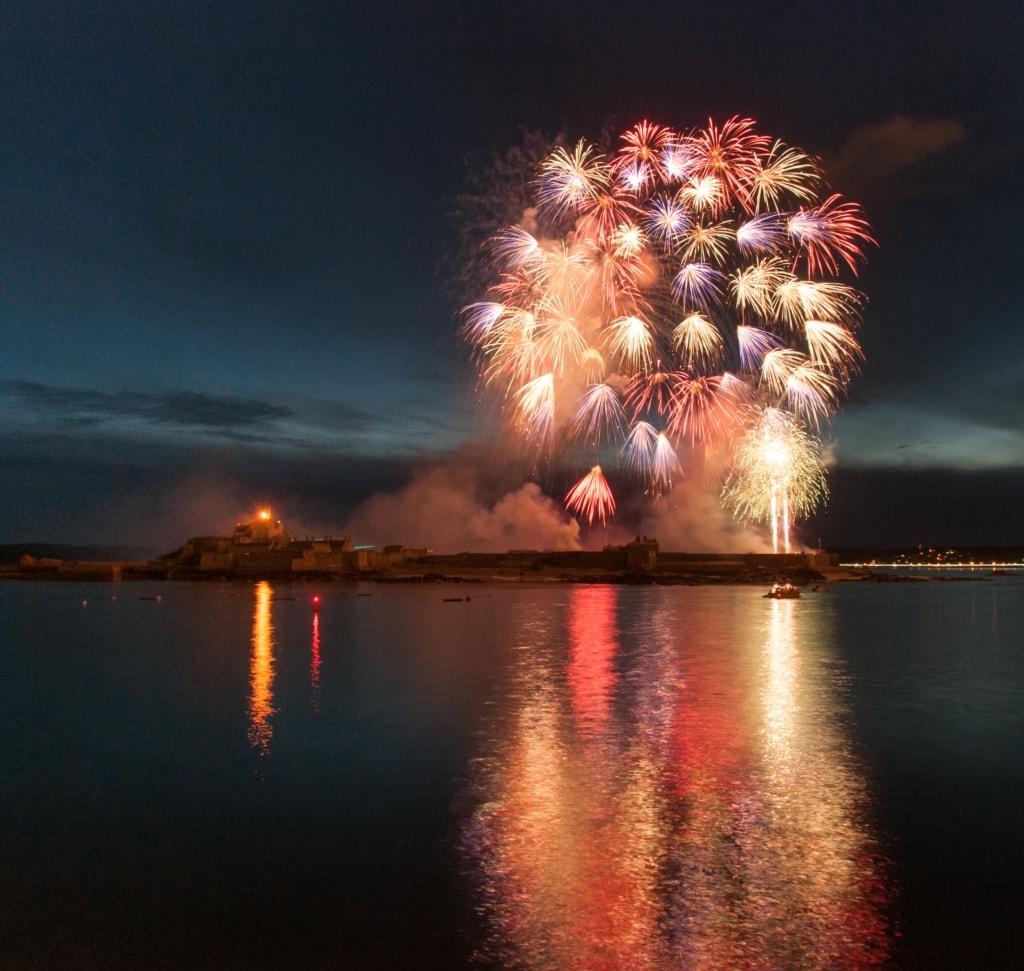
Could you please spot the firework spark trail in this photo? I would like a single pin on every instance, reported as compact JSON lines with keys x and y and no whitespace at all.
{"x":668,"y":297}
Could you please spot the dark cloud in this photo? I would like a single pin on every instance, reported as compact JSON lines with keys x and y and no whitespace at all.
{"x":183,"y":408}
{"x":71,"y":420}
{"x":167,"y":408}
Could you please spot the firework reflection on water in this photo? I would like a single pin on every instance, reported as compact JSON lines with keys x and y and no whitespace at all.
{"x":676,"y":797}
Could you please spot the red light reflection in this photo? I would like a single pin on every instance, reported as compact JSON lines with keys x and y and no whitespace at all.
{"x":591,"y":669}
{"x":314,"y":662}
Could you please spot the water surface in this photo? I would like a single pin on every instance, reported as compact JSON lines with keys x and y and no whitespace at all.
{"x":535,"y":776}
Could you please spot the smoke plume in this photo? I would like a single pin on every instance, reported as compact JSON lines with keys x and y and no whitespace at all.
{"x":451,"y":507}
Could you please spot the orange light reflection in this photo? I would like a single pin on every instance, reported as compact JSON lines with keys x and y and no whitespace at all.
{"x":261,"y":672}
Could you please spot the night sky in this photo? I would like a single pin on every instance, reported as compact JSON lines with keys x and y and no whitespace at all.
{"x":226,"y":240}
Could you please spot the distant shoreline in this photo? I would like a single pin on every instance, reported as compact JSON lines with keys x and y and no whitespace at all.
{"x":801,"y":577}
{"x":642,"y":562}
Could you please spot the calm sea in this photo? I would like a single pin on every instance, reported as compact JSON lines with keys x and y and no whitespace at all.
{"x":534,"y":776}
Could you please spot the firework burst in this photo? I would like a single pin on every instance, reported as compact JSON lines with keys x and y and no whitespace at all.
{"x":776,"y":475}
{"x":678,"y":293}
{"x":591,"y":497}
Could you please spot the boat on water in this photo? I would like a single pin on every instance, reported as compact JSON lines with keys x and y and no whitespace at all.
{"x":783,"y":591}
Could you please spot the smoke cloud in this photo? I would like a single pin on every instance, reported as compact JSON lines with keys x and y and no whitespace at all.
{"x":475,"y":502}
{"x":451,"y":508}
{"x":692,"y":520}
{"x":876,"y":154}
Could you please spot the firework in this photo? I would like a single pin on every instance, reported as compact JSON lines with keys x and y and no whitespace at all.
{"x":776,"y":474}
{"x":591,"y":497}
{"x":665,"y":298}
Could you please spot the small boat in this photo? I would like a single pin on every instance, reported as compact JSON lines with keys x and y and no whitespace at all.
{"x":783,"y":591}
